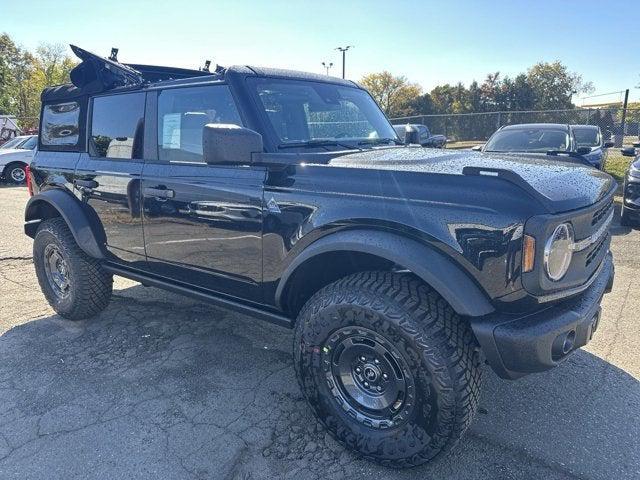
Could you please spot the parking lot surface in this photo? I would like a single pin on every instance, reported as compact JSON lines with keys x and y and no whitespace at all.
{"x":161,"y":386}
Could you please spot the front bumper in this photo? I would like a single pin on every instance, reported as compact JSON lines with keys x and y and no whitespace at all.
{"x":516,"y":345}
{"x":631,"y":195}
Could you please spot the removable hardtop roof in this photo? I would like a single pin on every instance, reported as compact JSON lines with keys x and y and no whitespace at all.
{"x":540,"y":126}
{"x":586,"y":127}
{"x":96,"y":74}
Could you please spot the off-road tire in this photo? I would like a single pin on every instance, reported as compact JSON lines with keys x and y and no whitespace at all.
{"x":437,"y":345}
{"x":9,"y":178}
{"x":90,"y":286}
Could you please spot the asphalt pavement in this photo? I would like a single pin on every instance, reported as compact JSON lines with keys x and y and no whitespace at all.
{"x":160,"y":386}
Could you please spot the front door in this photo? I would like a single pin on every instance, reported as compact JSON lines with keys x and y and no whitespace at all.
{"x":202,"y":223}
{"x":107,"y":178}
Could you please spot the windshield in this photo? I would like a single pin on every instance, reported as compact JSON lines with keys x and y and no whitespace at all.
{"x":14,"y":142}
{"x":304,"y":112}
{"x":587,"y":137}
{"x":30,"y":144}
{"x":528,"y":140}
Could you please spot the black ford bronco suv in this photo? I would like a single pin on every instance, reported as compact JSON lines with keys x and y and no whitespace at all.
{"x":288,"y":196}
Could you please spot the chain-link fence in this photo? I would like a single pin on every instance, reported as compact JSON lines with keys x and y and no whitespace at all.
{"x":617,"y":124}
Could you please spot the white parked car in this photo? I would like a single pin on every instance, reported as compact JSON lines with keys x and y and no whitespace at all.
{"x":15,"y":156}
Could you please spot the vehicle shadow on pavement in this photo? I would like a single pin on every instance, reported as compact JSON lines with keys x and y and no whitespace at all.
{"x":160,"y":386}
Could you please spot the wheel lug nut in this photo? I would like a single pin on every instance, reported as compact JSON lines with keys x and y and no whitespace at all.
{"x":366,"y":384}
{"x":363,"y":358}
{"x":358,"y":370}
{"x":376,"y":361}
{"x":385,"y":376}
{"x":379,"y":389}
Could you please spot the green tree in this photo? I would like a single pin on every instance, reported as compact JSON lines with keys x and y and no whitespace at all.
{"x":422,"y":105}
{"x":6,"y":103}
{"x":394,"y":94}
{"x":23,"y":76}
{"x":554,"y":85}
{"x":443,"y":97}
{"x":10,"y":58}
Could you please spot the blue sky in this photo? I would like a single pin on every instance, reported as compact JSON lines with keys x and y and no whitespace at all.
{"x":429,"y":42}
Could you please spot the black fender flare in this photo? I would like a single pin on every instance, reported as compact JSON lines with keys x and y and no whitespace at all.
{"x":433,"y":267}
{"x":85,"y":228}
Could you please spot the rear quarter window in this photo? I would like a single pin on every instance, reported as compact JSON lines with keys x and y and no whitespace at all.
{"x":117,"y":126}
{"x":60,"y":124}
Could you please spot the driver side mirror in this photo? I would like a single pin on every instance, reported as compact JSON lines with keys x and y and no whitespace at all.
{"x":477,"y":148}
{"x":608,"y":144}
{"x":583,"y":150}
{"x":411,"y":135}
{"x":229,"y":144}
{"x":628,"y":152}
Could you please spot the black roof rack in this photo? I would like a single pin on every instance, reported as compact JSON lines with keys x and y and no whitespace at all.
{"x":156,"y":73}
{"x":98,"y":73}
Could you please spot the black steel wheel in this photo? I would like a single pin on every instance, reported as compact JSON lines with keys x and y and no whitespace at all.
{"x":74,"y":284}
{"x":57,"y":270}
{"x":368,"y":377}
{"x":388,"y":367}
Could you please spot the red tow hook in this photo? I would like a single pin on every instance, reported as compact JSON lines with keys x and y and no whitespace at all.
{"x":27,"y":171}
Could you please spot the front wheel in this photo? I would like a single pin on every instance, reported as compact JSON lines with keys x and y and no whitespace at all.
{"x":15,"y":173}
{"x":74,"y":284}
{"x":388,"y":367}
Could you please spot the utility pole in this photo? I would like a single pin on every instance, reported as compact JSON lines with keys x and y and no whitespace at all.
{"x":327,"y":66}
{"x":624,"y":115}
{"x":344,"y":50}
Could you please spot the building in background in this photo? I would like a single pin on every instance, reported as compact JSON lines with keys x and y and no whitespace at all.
{"x":8,"y":128}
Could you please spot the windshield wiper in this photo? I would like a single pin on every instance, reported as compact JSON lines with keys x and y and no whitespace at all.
{"x":575,"y":155}
{"x":379,"y":141}
{"x":318,"y":143}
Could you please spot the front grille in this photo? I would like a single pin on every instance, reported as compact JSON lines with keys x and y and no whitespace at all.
{"x":590,"y":225}
{"x":593,"y":254}
{"x":601,"y":213}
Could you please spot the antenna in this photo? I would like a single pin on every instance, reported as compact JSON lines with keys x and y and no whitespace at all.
{"x":207,"y":64}
{"x":114,"y":55}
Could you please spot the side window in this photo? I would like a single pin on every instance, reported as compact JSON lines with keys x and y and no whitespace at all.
{"x":30,"y":144}
{"x":182,"y":114}
{"x":424,"y":133}
{"x":117,"y":126}
{"x":60,"y":124}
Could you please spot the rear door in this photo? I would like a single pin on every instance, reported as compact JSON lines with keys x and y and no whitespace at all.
{"x":108,"y":176}
{"x":202,"y":223}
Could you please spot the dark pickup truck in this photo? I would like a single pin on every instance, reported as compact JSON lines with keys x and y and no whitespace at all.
{"x":416,"y":133}
{"x":289,"y":197}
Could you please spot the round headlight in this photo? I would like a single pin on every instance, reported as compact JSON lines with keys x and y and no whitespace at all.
{"x":558,"y":252}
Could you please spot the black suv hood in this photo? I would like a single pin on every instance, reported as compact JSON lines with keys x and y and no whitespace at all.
{"x":563,"y":185}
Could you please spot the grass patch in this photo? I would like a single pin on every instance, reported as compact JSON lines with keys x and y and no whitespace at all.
{"x":465,"y":144}
{"x":616,"y":165}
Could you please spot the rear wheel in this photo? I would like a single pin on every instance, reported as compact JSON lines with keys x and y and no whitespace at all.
{"x":15,"y":173}
{"x":388,"y":367}
{"x":75,"y":284}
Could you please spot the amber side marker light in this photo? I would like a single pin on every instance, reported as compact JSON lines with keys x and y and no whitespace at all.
{"x":528,"y":253}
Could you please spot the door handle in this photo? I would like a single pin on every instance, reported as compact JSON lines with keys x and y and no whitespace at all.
{"x":158,"y":192}
{"x":86,"y":184}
